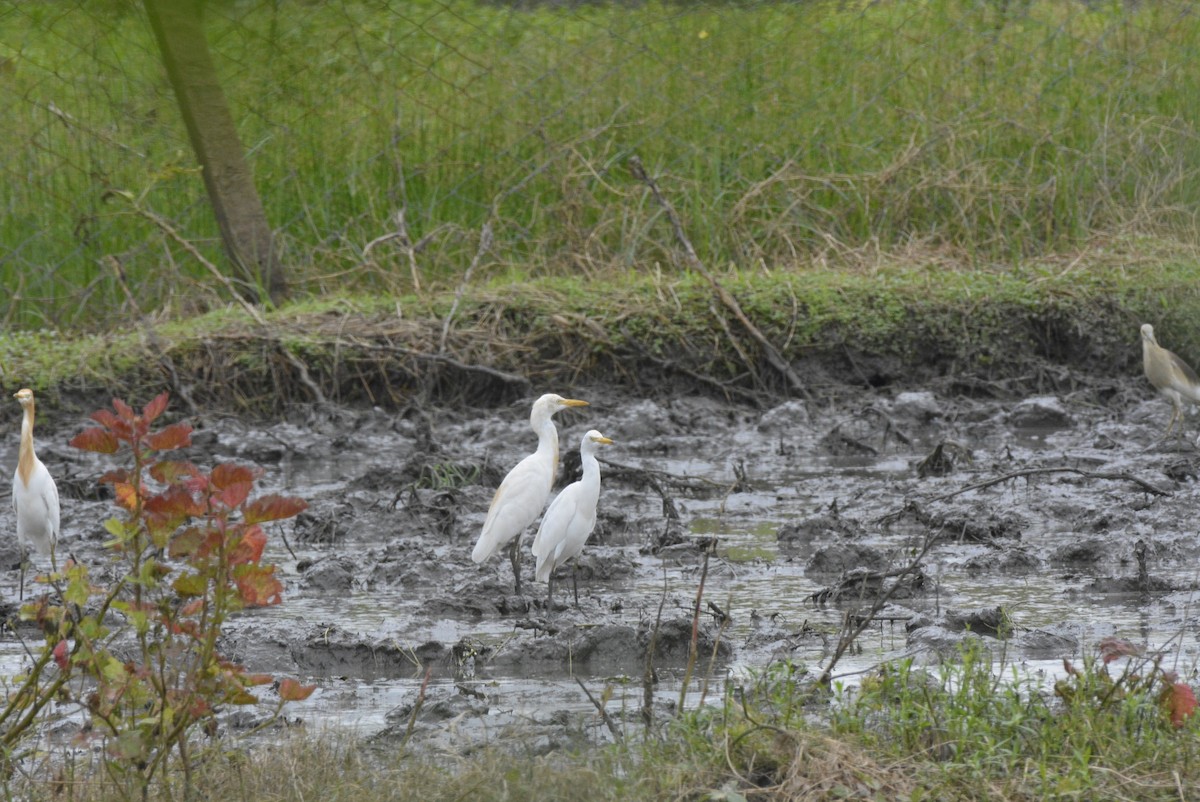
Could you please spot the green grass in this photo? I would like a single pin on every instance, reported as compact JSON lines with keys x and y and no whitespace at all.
{"x":973,"y":728}
{"x":787,"y":135}
{"x":923,"y":322}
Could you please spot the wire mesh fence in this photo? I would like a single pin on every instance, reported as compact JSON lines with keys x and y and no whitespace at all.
{"x":397,"y":143}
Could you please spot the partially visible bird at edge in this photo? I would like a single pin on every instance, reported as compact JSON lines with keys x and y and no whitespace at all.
{"x":34,"y":495}
{"x":1171,"y":376}
{"x":523,"y":493}
{"x":570,"y":518}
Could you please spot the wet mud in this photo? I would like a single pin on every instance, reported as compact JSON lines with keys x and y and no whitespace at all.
{"x":1049,"y":522}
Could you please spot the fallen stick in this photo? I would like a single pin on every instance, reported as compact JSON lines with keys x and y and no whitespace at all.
{"x":1123,"y":477}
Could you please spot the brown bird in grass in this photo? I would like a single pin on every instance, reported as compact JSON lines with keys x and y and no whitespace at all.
{"x":1171,"y":376}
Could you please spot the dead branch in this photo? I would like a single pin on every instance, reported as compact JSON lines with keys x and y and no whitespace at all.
{"x":607,"y":719}
{"x":857,"y":624}
{"x":508,"y":378}
{"x":727,"y":299}
{"x":1119,"y":477}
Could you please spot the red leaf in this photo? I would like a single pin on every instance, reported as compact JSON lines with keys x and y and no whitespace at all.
{"x":257,"y":585}
{"x":1180,"y":701}
{"x":250,"y":548}
{"x":170,"y":471}
{"x":227,"y":474}
{"x":177,"y":435}
{"x":257,"y":679}
{"x":60,"y":654}
{"x":1112,"y":648}
{"x":1067,"y":667}
{"x":192,"y":607}
{"x":127,"y":414}
{"x":105,"y":418}
{"x":273,"y":508}
{"x":99,"y":441}
{"x":291,"y":690}
{"x":114,"y":476}
{"x":126,"y":495}
{"x":155,"y":407}
{"x":234,"y":495}
{"x":175,"y":501}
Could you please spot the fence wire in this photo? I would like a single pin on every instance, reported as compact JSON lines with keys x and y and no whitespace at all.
{"x":385,"y":137}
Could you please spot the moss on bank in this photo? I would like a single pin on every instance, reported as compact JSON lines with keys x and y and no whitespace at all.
{"x":901,"y":327}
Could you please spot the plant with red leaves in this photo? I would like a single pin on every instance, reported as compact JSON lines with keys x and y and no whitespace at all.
{"x":1142,"y":677}
{"x":190,"y":543}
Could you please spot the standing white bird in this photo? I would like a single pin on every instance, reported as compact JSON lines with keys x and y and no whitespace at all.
{"x":571,"y":517}
{"x":34,"y":494}
{"x":1171,"y":376}
{"x":523,"y":493}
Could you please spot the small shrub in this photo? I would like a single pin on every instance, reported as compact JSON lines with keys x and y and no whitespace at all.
{"x":140,"y":656}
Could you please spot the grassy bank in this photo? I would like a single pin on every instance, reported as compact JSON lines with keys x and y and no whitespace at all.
{"x":966,"y":730}
{"x":1039,"y":329}
{"x":789,"y":135}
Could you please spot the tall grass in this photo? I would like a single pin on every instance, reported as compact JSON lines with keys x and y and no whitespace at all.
{"x":786,"y":133}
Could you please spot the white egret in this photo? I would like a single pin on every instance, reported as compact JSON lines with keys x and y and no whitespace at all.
{"x":570,"y":518}
{"x":34,"y":494}
{"x":523,"y":493}
{"x":1171,"y":376}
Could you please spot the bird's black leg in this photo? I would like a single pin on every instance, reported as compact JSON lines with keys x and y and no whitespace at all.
{"x":514,"y":554}
{"x":575,"y":581}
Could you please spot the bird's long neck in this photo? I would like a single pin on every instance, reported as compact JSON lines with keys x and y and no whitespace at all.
{"x":548,"y":442}
{"x":591,"y":468}
{"x":25,"y":457}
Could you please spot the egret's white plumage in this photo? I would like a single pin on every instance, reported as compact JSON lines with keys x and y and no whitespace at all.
{"x":1171,"y":376}
{"x":571,"y":517}
{"x":34,"y":494}
{"x":523,"y":493}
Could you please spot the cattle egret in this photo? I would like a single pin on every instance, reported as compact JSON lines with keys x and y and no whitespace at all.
{"x":571,"y":517}
{"x":1171,"y":376}
{"x":34,"y":494}
{"x":523,"y":493}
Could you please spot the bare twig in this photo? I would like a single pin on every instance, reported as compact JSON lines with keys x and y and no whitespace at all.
{"x":607,"y":719}
{"x":193,"y":251}
{"x":693,"y":645}
{"x":648,"y":676}
{"x":1121,"y":477}
{"x":302,"y":369}
{"x":485,"y":244}
{"x":412,"y":720}
{"x":856,"y":625}
{"x":727,"y":299}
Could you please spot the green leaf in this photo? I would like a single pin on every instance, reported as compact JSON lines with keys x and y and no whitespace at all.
{"x":186,"y":543}
{"x":190,"y":585}
{"x":129,"y":746}
{"x":78,"y":591}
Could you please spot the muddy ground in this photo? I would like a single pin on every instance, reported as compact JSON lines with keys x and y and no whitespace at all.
{"x":795,"y":518}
